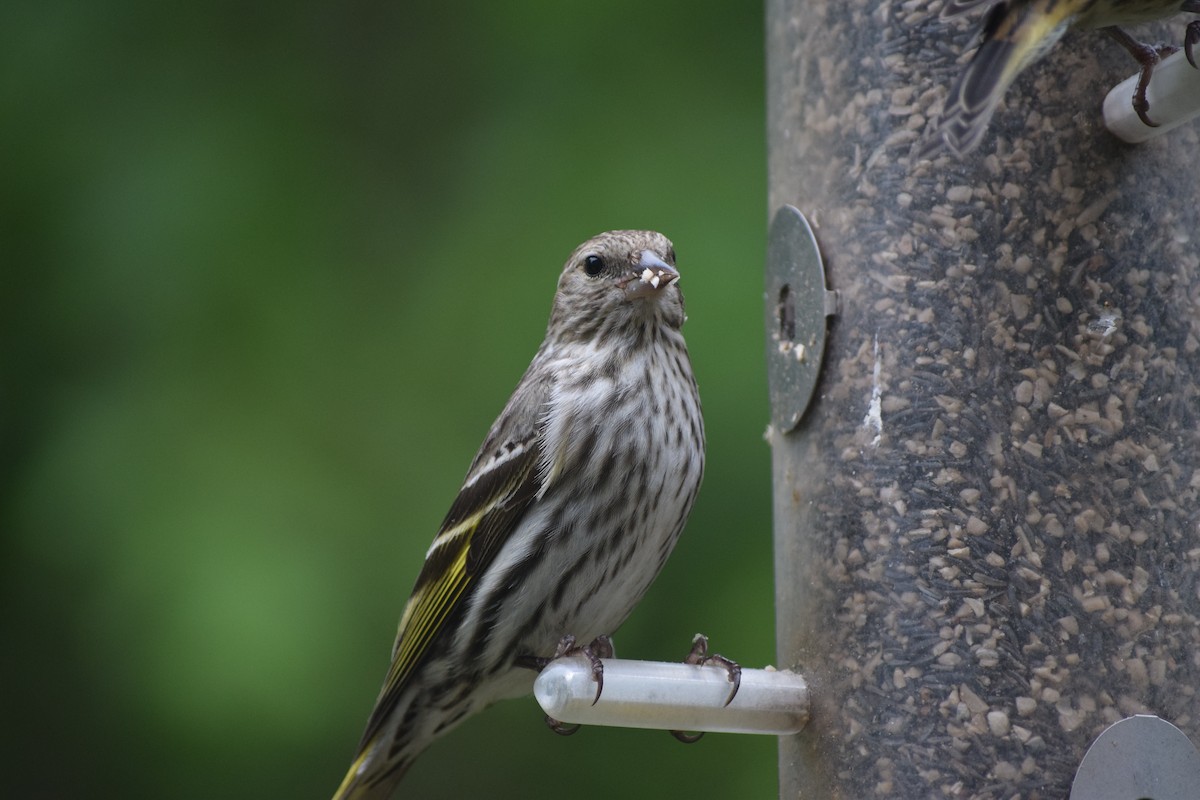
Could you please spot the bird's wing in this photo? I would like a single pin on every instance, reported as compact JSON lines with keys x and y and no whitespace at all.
{"x":955,"y":8}
{"x":501,"y":484}
{"x":1015,"y":36}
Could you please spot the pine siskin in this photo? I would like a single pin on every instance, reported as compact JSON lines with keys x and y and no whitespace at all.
{"x":568,"y":511}
{"x":1019,"y":32}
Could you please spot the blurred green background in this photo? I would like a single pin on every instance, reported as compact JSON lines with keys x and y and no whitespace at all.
{"x":269,"y":273}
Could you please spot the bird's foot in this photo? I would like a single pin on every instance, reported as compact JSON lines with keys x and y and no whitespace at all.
{"x":1148,"y":56}
{"x":700,"y":656}
{"x":598,"y":648}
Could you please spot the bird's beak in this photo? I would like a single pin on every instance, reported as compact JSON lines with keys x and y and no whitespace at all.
{"x":654,"y":274}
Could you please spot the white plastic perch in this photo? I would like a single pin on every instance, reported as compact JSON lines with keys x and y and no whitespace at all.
{"x":1173,"y":95}
{"x":673,"y":696}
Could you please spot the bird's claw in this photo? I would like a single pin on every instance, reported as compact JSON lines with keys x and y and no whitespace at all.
{"x":1141,"y":106}
{"x":699,"y":656}
{"x":598,"y":648}
{"x":1148,"y":56}
{"x":1152,"y":55}
{"x":561,"y":728}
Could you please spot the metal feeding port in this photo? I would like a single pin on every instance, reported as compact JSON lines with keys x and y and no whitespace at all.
{"x":797,"y":307}
{"x":1139,"y":757}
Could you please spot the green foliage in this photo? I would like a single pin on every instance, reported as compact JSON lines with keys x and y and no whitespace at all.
{"x":268,"y":275}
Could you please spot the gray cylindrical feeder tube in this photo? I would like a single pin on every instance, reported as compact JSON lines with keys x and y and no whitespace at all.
{"x":987,"y":519}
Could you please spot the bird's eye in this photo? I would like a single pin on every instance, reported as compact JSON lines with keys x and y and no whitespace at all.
{"x":593,"y":265}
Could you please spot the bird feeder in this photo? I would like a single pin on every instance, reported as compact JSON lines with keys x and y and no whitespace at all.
{"x":987,"y":516}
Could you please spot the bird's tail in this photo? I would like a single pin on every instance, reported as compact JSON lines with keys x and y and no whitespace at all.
{"x":366,"y":780}
{"x":405,"y":721}
{"x":1014,"y":36}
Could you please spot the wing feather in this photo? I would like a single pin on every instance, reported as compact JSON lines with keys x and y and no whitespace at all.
{"x":501,"y":484}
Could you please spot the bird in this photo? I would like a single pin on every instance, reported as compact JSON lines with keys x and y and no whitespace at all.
{"x":566,"y":515}
{"x":1017,"y":33}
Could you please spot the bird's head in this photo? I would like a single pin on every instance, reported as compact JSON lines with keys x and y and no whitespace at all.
{"x":617,"y":281}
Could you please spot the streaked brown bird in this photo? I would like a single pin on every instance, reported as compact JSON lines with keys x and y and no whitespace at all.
{"x":1017,"y":33}
{"x":568,"y":512}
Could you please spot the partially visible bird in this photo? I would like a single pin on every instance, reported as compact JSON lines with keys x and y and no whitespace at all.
{"x":1018,"y":32}
{"x":567,"y":513}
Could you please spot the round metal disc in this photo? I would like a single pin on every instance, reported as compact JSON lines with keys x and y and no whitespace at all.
{"x":1139,"y":757}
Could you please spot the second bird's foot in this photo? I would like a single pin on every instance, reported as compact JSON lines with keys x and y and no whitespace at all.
{"x":1148,"y":56}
